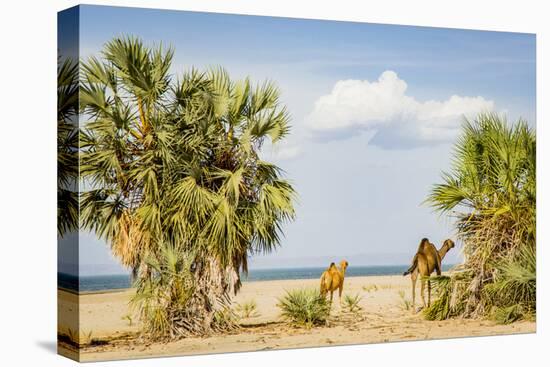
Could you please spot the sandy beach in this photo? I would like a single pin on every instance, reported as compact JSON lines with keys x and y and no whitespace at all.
{"x":106,"y":320}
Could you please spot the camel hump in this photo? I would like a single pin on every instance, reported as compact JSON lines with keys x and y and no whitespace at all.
{"x":424,"y":244}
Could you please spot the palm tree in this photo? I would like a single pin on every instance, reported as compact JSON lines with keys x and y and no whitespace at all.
{"x":492,"y":192}
{"x":67,"y":146}
{"x":173,"y":166}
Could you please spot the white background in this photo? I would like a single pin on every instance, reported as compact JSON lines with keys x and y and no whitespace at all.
{"x":28,"y":60}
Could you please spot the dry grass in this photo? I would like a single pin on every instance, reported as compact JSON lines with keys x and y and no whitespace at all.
{"x":351,"y":303}
{"x":405,"y":303}
{"x":370,"y":288}
{"x":247,"y":309}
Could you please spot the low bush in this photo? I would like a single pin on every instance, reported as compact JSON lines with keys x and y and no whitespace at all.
{"x":304,"y":307}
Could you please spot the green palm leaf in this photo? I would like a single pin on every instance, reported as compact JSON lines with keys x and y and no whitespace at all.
{"x":174,"y":174}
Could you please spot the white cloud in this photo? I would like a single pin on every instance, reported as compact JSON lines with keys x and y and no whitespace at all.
{"x":281,"y":151}
{"x":384,"y":107}
{"x":287,"y":152}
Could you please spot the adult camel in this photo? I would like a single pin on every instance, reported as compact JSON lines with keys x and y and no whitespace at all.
{"x":333,"y":279}
{"x":426,"y":260}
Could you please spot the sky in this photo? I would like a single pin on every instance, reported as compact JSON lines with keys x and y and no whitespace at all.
{"x":375,"y":111}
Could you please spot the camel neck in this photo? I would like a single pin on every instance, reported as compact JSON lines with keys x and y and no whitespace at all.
{"x":443,"y":251}
{"x":343,"y":271}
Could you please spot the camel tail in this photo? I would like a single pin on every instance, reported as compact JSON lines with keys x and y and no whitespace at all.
{"x":413,"y":266}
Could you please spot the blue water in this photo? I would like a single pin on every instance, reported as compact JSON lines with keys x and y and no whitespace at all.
{"x":113,"y":282}
{"x":93,"y":283}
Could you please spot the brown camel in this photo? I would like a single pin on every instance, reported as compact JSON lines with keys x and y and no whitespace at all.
{"x":333,"y":279}
{"x":426,"y":260}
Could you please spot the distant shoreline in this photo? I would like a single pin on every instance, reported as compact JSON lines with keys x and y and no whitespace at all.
{"x":109,"y":283}
{"x":122,"y":290}
{"x":116,"y":290}
{"x":101,"y":291}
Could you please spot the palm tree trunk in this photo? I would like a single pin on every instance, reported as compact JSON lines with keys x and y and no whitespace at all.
{"x":208,"y":310}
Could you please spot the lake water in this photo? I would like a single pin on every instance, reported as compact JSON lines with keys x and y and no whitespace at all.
{"x":122,"y":281}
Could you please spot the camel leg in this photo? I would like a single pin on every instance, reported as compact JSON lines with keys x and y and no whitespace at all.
{"x":340,"y":290}
{"x":422,"y":286}
{"x":413,"y":280}
{"x":331,"y":294}
{"x":429,"y":293}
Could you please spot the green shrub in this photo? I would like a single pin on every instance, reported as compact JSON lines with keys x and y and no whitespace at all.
{"x":351,"y":303}
{"x":515,"y":281}
{"x":510,"y":296}
{"x":440,"y":308}
{"x":304,"y":307}
{"x":507,"y":315}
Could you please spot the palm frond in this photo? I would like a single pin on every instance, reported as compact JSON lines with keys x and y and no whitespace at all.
{"x":173,"y":171}
{"x":491,"y":190}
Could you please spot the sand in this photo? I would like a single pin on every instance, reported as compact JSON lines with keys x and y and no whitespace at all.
{"x":106,"y":317}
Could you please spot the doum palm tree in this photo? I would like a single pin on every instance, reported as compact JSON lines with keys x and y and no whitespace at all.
{"x":67,"y":146}
{"x":176,"y":184}
{"x":491,"y":190}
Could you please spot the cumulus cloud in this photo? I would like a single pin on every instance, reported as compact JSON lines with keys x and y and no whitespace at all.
{"x":284,"y":150}
{"x":383,"y":107}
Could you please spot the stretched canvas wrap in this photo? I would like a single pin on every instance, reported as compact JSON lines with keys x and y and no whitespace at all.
{"x":234,"y":183}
